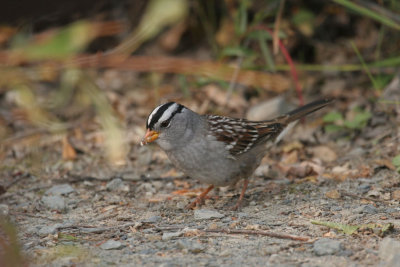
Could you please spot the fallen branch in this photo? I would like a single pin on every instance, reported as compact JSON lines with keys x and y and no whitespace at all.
{"x":212,"y":69}
{"x":347,"y":194}
{"x":257,"y":232}
{"x":225,"y":231}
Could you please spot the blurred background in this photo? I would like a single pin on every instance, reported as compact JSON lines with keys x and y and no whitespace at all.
{"x":79,"y":78}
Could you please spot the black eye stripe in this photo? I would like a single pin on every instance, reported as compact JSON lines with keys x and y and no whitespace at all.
{"x":160,"y":113}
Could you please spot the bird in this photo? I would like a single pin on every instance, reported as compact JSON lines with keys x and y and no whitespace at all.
{"x":217,"y":150}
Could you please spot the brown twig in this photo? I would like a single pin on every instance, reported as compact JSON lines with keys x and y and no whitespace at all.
{"x":212,"y":69}
{"x":347,"y":194}
{"x":257,"y":232}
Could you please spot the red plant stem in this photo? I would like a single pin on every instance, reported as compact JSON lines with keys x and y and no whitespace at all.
{"x":289,"y":60}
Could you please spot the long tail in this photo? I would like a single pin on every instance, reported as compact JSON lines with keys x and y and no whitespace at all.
{"x":303,"y":111}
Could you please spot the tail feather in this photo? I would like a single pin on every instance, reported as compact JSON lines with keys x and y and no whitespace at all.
{"x":303,"y":111}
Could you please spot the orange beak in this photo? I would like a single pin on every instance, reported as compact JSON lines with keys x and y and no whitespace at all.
{"x":149,"y":137}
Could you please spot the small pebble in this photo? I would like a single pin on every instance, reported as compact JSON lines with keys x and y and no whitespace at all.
{"x":169,"y":236}
{"x":336,"y":208}
{"x":4,"y":210}
{"x":116,"y":185}
{"x":388,"y":248}
{"x":204,"y":214}
{"x":326,"y":246}
{"x":364,"y":188}
{"x":393,"y":261}
{"x":152,"y":219}
{"x":191,"y":246}
{"x":54,"y":202}
{"x":49,"y":230}
{"x":243,"y":215}
{"x":112,"y":244}
{"x":369,"y":209}
{"x":390,"y":210}
{"x":60,"y":189}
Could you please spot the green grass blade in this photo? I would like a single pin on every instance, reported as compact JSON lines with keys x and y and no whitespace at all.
{"x":368,"y":13}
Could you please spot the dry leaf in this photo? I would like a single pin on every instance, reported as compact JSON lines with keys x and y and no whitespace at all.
{"x":340,"y":169}
{"x":296,"y":145}
{"x":213,"y":226}
{"x":110,"y":207}
{"x":220,"y":97}
{"x":333,"y":194}
{"x":253,"y":227}
{"x":305,"y":168}
{"x":191,"y":232}
{"x":396,"y":195}
{"x":180,"y":183}
{"x":385,"y":162}
{"x":324,"y":153}
{"x":68,"y":152}
{"x":170,"y":39}
{"x":290,"y":158}
{"x":309,"y":179}
{"x":330,"y":234}
{"x":171,"y":173}
{"x":226,"y":32}
{"x":157,"y":199}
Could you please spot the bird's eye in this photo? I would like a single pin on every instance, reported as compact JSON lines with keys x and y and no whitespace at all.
{"x":164,"y":124}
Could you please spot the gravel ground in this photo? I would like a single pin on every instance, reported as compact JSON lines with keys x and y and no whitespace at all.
{"x":121,"y":218}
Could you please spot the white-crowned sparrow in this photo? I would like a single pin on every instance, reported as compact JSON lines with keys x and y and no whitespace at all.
{"x":213,"y":149}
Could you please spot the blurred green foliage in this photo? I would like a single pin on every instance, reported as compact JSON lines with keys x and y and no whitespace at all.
{"x":336,"y":122}
{"x":396,"y":162}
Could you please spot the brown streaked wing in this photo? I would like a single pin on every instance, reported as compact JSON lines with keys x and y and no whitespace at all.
{"x":240,"y":135}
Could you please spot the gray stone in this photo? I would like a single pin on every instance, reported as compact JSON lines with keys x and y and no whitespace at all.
{"x":326,"y":246}
{"x":390,"y":210}
{"x":336,"y":208}
{"x":152,"y":219}
{"x":148,"y":251}
{"x":345,"y":253}
{"x":226,"y":220}
{"x":204,"y":214}
{"x":243,"y":215}
{"x":191,"y":246}
{"x":169,"y":236}
{"x":60,"y":189}
{"x":116,"y":185}
{"x":364,"y":188}
{"x":112,"y":244}
{"x":4,"y":210}
{"x":54,"y":202}
{"x":393,"y":262}
{"x":369,"y":209}
{"x":49,"y":229}
{"x":388,"y":248}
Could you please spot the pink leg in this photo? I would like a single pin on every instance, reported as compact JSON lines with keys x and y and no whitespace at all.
{"x":239,"y":202}
{"x":200,"y":198}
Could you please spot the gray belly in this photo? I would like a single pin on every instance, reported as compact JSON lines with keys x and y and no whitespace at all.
{"x":217,"y":168}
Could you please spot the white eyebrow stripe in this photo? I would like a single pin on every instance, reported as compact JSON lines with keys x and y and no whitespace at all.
{"x":168,"y":112}
{"x":153,"y":113}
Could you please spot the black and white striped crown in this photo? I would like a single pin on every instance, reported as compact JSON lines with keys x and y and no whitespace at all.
{"x":163,"y":114}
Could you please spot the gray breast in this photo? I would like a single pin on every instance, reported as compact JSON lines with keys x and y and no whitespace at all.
{"x":209,"y":162}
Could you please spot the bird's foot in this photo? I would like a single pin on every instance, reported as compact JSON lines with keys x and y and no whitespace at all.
{"x":239,"y":202}
{"x":199,"y":200}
